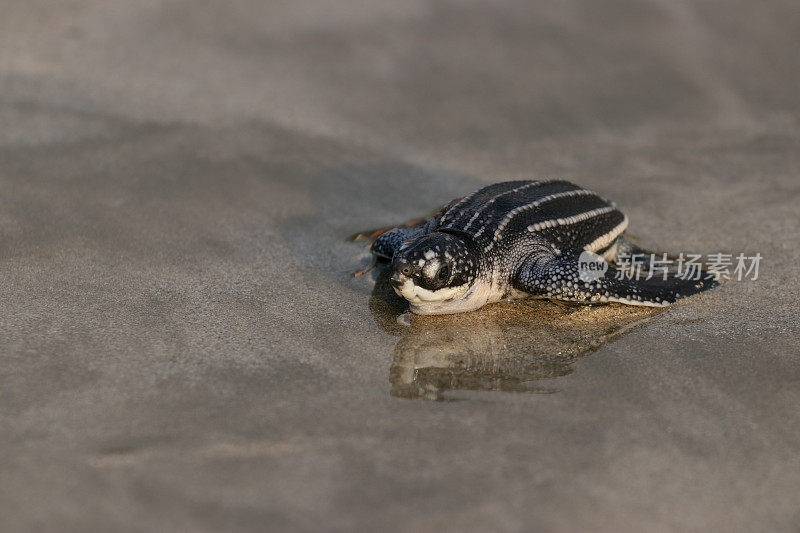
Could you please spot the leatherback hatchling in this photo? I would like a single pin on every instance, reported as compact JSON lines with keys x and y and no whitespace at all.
{"x":522,"y":239}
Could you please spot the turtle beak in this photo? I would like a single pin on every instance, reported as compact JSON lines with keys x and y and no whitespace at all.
{"x":398,"y":277}
{"x":397,"y":280}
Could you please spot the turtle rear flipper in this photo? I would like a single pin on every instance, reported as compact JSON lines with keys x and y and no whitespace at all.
{"x":562,"y":278}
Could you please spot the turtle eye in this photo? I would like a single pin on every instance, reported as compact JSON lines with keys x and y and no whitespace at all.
{"x":443,"y":273}
{"x":406,"y":270}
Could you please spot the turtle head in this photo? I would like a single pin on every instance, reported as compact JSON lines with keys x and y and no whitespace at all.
{"x":435,"y":267}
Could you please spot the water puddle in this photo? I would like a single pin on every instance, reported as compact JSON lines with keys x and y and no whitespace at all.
{"x":520,"y":346}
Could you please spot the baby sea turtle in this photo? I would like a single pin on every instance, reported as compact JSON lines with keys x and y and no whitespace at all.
{"x":541,"y":239}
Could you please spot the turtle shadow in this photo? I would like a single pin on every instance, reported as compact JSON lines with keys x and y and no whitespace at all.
{"x":520,"y":346}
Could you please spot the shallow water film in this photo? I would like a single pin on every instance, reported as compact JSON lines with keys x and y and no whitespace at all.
{"x":519,"y":346}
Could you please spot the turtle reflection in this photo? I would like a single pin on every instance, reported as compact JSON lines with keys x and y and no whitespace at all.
{"x":512,"y":346}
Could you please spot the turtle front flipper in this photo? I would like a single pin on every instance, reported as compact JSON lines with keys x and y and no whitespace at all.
{"x":385,"y":246}
{"x":626,"y":252}
{"x":572,"y":278}
{"x":374,"y":234}
{"x":385,"y":241}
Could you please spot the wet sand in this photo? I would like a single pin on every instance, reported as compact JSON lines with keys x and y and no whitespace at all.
{"x":183,"y":346}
